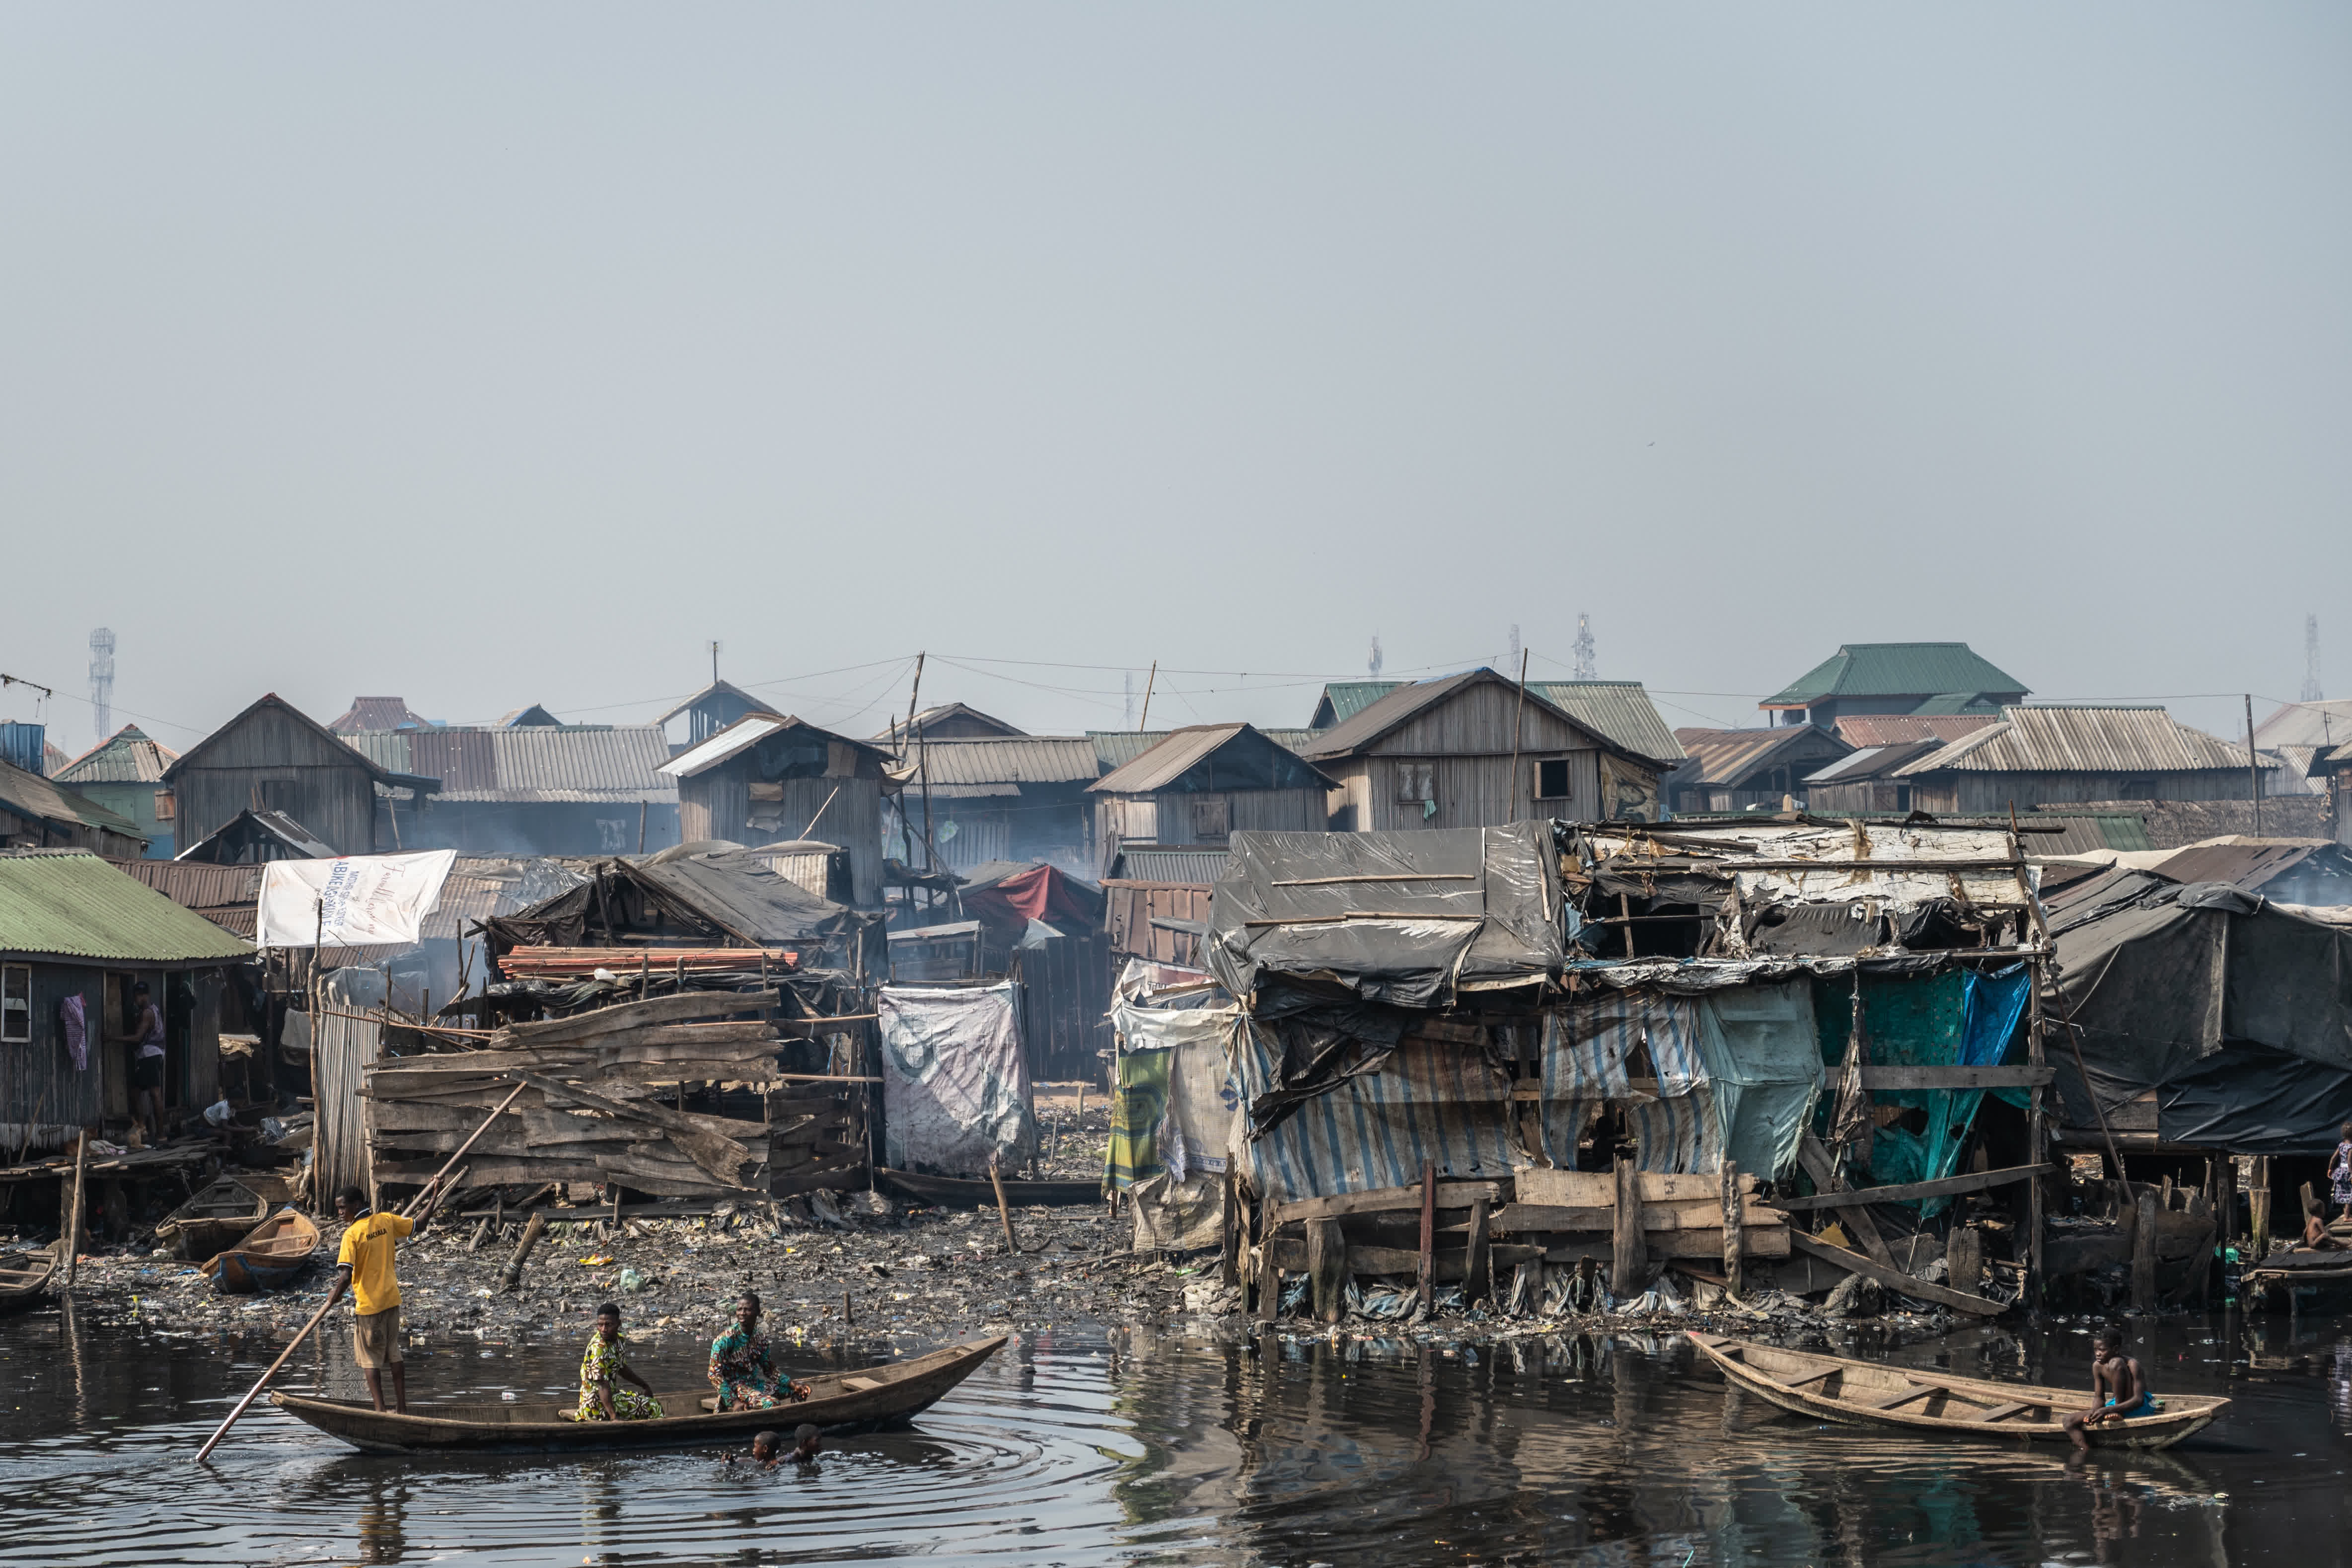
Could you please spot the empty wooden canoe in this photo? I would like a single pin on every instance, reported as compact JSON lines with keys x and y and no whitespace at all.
{"x":24,"y":1277}
{"x":1869,"y":1392}
{"x":268,"y":1258}
{"x":213,"y":1220}
{"x":865,"y":1400}
{"x":959,"y":1193}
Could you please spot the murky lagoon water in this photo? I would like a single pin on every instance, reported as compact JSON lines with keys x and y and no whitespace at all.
{"x":1134,"y":1447}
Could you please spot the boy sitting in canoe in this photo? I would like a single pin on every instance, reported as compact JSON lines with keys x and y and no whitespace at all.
{"x":602,"y":1372}
{"x":740,"y":1368}
{"x":2117,"y":1381}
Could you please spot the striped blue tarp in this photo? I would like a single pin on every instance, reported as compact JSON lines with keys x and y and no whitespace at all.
{"x":1590,"y":1049}
{"x":1427,"y":1102}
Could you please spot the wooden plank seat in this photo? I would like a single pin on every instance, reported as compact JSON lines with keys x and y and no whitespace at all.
{"x":1896,"y":1401}
{"x":2003,"y":1411}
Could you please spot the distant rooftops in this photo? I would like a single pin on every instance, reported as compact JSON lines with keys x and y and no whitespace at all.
{"x":1937,"y":677}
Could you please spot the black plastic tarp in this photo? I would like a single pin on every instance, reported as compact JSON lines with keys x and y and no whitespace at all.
{"x":2237,"y":1015}
{"x":1407,"y":919}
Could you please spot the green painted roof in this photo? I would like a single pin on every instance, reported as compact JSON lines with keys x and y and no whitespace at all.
{"x":1945,"y":704}
{"x":1343,"y":700}
{"x":1919,"y":669}
{"x":1618,"y":710}
{"x":78,"y":906}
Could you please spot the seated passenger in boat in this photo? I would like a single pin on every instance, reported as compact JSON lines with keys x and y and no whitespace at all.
{"x":2117,"y":1382}
{"x":602,"y":1373}
{"x":740,"y":1368}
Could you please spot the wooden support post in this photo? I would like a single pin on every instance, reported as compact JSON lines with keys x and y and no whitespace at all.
{"x":2258,"y":1205}
{"x":1478,"y":1262}
{"x":1264,"y":1279}
{"x":2143,"y":1256}
{"x":1735,"y":1231}
{"x":2225,"y":1199}
{"x":511,"y":1278}
{"x":1327,"y":1266}
{"x":70,"y":1231}
{"x":2037,"y":1128}
{"x":2310,"y":1203}
{"x":1815,"y":1162}
{"x":1229,"y":1239}
{"x":1964,"y":1259}
{"x":1629,"y":1259}
{"x":1426,"y":1278}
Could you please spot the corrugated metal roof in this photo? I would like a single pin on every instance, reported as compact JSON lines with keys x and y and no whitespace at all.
{"x":380,"y":714}
{"x":1920,"y":669}
{"x":1009,"y":759}
{"x":971,"y":721}
{"x":1723,"y":758}
{"x":1148,"y":863}
{"x":1618,"y":710}
{"x":30,"y":794}
{"x":195,"y":884}
{"x":78,"y":906}
{"x":2325,"y":724}
{"x":1186,"y":749}
{"x":746,"y":732}
{"x":2247,"y":865}
{"x":2039,"y":740}
{"x":717,"y":688}
{"x":129,"y":757}
{"x":1343,"y":700}
{"x":1871,"y":762}
{"x":1896,"y":729}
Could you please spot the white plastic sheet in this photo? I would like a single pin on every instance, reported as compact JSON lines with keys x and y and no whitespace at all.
{"x":355,"y":900}
{"x":955,"y":1081}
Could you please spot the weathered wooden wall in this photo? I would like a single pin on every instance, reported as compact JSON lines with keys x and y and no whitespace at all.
{"x":1967,"y":794}
{"x":1065,"y":997}
{"x":718,"y":803}
{"x":1131,"y":907}
{"x":267,"y":758}
{"x":1189,"y":816}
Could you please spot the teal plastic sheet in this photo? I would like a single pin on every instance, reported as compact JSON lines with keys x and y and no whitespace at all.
{"x":1759,"y":1043}
{"x":1960,"y":1019}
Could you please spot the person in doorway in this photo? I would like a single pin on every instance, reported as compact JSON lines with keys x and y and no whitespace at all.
{"x":364,"y":1266}
{"x":145,"y":1036}
{"x":740,"y":1368}
{"x":2117,"y":1382}
{"x":602,"y":1373}
{"x":2340,"y":1172}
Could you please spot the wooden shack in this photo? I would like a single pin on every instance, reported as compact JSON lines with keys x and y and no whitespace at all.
{"x":1205,"y":783}
{"x":1475,"y":750}
{"x":770,"y":777}
{"x":76,"y":935}
{"x":274,"y":757}
{"x":36,"y":813}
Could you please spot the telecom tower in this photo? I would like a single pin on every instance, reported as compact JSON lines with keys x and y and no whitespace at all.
{"x":1374,"y":662}
{"x":1511,"y":659}
{"x":102,"y":682}
{"x":2311,"y":692}
{"x":1586,"y":669}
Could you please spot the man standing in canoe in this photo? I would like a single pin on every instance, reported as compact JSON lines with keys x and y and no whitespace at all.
{"x":364,"y":1266}
{"x":740,"y":1368}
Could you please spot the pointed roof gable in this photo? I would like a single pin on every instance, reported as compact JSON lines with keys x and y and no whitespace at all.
{"x":1249,"y":759}
{"x":749,"y":731}
{"x":127,"y":757}
{"x":949,"y":721}
{"x":1406,"y":702}
{"x":717,"y":693}
{"x":1920,"y":669}
{"x":380,"y":714}
{"x":269,"y":700}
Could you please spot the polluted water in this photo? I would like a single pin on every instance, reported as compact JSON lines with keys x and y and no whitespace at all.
{"x":1126,"y":1445}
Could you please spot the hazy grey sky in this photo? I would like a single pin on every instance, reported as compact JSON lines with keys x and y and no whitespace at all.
{"x":499,"y":354}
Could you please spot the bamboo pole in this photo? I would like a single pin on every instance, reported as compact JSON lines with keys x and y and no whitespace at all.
{"x":432,"y":1192}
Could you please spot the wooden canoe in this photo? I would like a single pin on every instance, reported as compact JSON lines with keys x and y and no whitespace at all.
{"x":269,"y":1256}
{"x":1869,"y":1392}
{"x":959,"y":1193}
{"x":838,"y":1402}
{"x":25,"y":1278}
{"x":213,"y":1220}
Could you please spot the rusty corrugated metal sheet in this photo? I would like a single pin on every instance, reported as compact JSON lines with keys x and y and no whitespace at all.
{"x":1898,"y":728}
{"x":195,"y":884}
{"x":130,"y":757}
{"x":1722,"y":758}
{"x":2039,"y":740}
{"x":604,"y":763}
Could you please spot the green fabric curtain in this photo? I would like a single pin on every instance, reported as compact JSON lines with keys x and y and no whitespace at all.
{"x":1136,"y":1115}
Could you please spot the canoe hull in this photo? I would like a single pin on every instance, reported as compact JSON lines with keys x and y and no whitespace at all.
{"x":213,"y":1221}
{"x":898,"y":1393}
{"x":1952,"y":1411}
{"x":264,"y":1259}
{"x":955,"y":1191}
{"x":22,"y":1295}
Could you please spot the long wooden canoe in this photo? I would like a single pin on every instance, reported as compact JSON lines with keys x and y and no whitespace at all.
{"x":956,"y":1192}
{"x":1868,"y":1393}
{"x":838,"y":1402}
{"x":268,"y":1257}
{"x":25,"y":1277}
{"x":213,"y":1220}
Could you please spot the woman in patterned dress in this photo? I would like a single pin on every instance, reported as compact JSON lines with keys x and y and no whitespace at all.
{"x":602,"y":1373}
{"x":740,"y":1368}
{"x":2340,"y":1172}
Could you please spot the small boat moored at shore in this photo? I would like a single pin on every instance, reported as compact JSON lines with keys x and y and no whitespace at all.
{"x":863,"y":1400}
{"x":24,"y":1277}
{"x":269,"y":1256}
{"x":1863,"y":1393}
{"x":213,"y":1220}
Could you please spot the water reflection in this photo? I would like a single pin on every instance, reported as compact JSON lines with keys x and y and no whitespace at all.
{"x":1378,"y":1450}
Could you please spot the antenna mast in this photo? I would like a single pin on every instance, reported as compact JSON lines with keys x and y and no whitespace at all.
{"x":1586,"y":669}
{"x":2310,"y":691}
{"x":102,"y":682}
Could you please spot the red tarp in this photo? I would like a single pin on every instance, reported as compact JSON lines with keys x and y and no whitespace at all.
{"x":1041,"y":893}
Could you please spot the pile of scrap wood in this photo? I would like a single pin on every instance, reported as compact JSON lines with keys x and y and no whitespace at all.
{"x":591,"y":1109}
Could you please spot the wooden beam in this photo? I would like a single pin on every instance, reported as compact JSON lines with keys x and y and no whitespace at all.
{"x":1907,"y":1078}
{"x":1942,"y":1188}
{"x":1894,"y":1279}
{"x":1817,"y":1165}
{"x":1629,"y":1262}
{"x":1382,"y":1200}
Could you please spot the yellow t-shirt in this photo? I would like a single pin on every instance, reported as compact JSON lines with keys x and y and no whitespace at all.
{"x":367,"y":1250}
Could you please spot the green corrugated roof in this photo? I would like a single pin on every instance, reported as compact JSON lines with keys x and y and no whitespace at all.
{"x":78,"y":906}
{"x":1618,"y":710}
{"x":1897,"y":669}
{"x":1945,"y":704}
{"x":1343,"y":700}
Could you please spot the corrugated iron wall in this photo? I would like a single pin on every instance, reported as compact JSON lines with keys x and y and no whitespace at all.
{"x":341,"y":1046}
{"x":1065,"y":995}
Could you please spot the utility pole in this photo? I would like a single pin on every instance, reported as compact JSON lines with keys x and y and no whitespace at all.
{"x":1150,"y":682}
{"x":715,"y":646}
{"x":2311,"y":692}
{"x":2253,"y":772}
